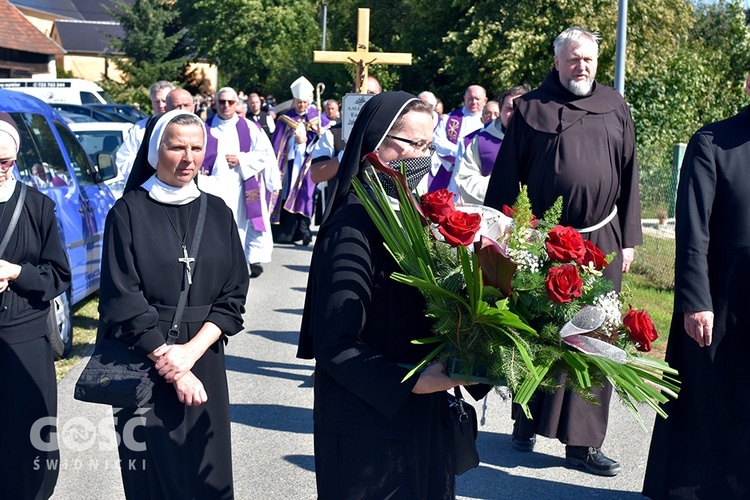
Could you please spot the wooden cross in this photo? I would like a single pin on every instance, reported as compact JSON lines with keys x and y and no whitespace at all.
{"x":362,"y":57}
{"x":187,"y":260}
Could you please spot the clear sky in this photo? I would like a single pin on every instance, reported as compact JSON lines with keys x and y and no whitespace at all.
{"x":747,"y":2}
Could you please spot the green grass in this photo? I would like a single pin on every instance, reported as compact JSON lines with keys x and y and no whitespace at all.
{"x":85,"y":318}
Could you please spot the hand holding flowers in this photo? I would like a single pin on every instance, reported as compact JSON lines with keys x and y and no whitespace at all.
{"x":514,"y":302}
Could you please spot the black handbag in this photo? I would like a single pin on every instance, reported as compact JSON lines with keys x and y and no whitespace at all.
{"x":116,"y":374}
{"x":464,"y":423}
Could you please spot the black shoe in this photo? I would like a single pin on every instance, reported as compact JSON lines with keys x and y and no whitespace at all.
{"x":306,"y":239}
{"x":522,"y":443}
{"x":255,"y":270}
{"x":592,"y":459}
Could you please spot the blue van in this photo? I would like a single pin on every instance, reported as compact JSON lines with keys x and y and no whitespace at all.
{"x":52,"y":160}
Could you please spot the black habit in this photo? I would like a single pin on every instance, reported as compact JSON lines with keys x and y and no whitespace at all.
{"x":187,"y":448}
{"x":702,"y":451}
{"x":26,"y":365}
{"x":371,"y":432}
{"x":374,"y":438}
{"x":583,"y":149}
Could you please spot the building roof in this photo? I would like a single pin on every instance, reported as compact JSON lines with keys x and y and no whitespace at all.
{"x":96,"y":10}
{"x":86,"y":36}
{"x":63,"y":8}
{"x":83,"y":10}
{"x":17,"y":33}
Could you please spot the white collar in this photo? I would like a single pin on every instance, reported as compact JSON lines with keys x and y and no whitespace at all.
{"x":495,"y":128}
{"x":225,"y":123}
{"x":170,"y":195}
{"x":6,"y":190}
{"x":469,"y":115}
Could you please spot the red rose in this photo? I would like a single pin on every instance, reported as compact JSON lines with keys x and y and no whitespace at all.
{"x":565,"y":244}
{"x":641,"y":329}
{"x":459,"y":228}
{"x":593,"y":254}
{"x":437,"y":205}
{"x":563,"y":283}
{"x":497,"y":268}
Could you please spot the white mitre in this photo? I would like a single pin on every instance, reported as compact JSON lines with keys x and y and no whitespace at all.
{"x":302,"y":89}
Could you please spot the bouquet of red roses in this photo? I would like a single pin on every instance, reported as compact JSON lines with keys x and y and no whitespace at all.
{"x":515,"y":298}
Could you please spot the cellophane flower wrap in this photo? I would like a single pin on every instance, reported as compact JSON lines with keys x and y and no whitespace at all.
{"x":516,"y":298}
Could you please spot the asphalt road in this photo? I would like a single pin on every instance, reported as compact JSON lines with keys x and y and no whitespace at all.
{"x":271,"y":411}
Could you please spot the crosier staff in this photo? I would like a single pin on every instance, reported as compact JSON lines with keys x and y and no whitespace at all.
{"x":319,"y":89}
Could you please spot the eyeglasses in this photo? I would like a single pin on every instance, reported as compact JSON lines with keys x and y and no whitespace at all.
{"x":7,"y":163}
{"x":422,"y":146}
{"x":226,"y":102}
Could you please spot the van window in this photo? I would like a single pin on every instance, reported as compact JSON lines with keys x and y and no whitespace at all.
{"x":99,"y":141}
{"x":40,"y":161}
{"x":107,"y":98}
{"x":79,"y":160}
{"x":89,"y":98}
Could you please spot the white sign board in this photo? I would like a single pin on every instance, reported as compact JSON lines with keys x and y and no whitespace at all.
{"x":351,"y":104}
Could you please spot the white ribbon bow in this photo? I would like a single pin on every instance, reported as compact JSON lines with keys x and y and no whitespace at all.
{"x":588,"y":319}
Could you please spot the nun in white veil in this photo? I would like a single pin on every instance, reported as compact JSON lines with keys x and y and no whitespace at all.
{"x":180,"y":441}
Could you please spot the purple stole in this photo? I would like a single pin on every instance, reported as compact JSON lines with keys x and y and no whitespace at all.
{"x":253,"y":207}
{"x":452,"y":129}
{"x":488,"y":146}
{"x":58,"y":181}
{"x":299,"y":199}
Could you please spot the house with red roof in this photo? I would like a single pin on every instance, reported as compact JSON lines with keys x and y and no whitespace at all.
{"x":83,"y":28}
{"x":69,"y":35}
{"x":24,"y":50}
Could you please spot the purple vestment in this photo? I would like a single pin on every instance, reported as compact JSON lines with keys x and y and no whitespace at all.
{"x":299,"y":198}
{"x":253,"y":200}
{"x":488,"y":146}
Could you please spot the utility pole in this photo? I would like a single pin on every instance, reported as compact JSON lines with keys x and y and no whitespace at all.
{"x":622,"y":35}
{"x":325,"y":23}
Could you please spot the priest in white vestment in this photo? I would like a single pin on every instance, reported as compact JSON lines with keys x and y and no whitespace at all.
{"x":451,"y":132}
{"x":240,"y":167}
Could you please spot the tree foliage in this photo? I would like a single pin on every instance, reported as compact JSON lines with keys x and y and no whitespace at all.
{"x":700,"y":80}
{"x":153,"y":48}
{"x":258,"y":45}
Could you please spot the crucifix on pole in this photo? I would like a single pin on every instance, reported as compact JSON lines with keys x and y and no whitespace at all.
{"x":362,"y":58}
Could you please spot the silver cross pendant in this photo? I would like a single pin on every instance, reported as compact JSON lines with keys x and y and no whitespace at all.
{"x":187,"y":260}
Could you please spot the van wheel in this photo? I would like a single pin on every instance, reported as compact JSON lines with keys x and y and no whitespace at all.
{"x":60,"y":325}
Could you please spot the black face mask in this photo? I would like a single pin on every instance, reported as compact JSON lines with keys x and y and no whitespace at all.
{"x":415,"y":169}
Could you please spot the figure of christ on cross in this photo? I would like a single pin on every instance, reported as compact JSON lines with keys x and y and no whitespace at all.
{"x":362,"y":57}
{"x":186,"y":260}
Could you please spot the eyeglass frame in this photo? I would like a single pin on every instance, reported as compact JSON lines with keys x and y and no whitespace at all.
{"x":229,"y":102}
{"x":428,"y":146}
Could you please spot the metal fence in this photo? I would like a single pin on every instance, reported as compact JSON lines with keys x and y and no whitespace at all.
{"x":658,"y":187}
